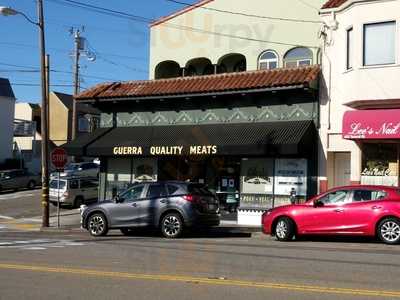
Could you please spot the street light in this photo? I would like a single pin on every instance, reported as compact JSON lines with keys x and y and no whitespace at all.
{"x":7,"y":11}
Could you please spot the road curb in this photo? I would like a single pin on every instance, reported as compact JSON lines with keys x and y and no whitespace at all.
{"x":61,"y":229}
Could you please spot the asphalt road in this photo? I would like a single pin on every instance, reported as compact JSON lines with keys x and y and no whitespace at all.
{"x":22,"y":204}
{"x":212,"y":265}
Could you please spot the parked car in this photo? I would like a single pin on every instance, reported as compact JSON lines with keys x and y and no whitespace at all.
{"x":354,"y":210}
{"x":17,"y":179}
{"x":73,"y":191}
{"x":169,"y":206}
{"x":88,"y":169}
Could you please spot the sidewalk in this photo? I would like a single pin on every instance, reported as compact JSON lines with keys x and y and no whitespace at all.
{"x":70,"y":221}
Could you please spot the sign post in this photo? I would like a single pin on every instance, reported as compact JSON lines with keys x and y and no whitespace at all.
{"x":59,"y":160}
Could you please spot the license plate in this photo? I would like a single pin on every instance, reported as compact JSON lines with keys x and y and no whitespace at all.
{"x":212,"y":207}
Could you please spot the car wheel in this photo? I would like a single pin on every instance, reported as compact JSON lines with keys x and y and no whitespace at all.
{"x":171,"y":225}
{"x":284,"y":229}
{"x":127,"y":231}
{"x":78,"y":202}
{"x":97,"y":225}
{"x":31,"y":185}
{"x":389,"y":231}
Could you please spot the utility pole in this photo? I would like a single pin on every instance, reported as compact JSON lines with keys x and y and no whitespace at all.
{"x":77,"y":51}
{"x":44,"y":121}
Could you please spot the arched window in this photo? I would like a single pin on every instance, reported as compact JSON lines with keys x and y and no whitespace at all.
{"x":268,"y":60}
{"x":167,"y":69}
{"x":233,"y":62}
{"x":199,"y":66}
{"x":298,"y":57}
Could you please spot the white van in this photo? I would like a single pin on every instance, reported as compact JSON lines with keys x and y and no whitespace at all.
{"x":73,"y":191}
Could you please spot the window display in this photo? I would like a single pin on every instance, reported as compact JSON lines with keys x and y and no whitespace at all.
{"x":380,"y":164}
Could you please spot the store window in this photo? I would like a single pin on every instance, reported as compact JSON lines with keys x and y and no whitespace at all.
{"x":257,"y":183}
{"x":118,"y":176}
{"x":380,"y":164}
{"x":379,"y":43}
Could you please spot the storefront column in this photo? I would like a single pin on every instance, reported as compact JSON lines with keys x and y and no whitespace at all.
{"x":356,"y":160}
{"x":322,"y":161}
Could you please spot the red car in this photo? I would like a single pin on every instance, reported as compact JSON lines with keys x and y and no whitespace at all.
{"x":354,"y":210}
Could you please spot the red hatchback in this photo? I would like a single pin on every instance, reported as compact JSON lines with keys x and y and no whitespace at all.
{"x":353,"y":210}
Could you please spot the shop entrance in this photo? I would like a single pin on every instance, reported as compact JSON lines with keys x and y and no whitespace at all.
{"x":220,"y":174}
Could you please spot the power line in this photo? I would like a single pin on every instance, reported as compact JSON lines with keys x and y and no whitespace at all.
{"x":68,"y":51}
{"x":244,"y":14}
{"x":34,"y":70}
{"x":120,"y":14}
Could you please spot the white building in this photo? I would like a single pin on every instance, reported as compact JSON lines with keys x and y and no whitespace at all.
{"x":7,"y":102}
{"x":360,"y":93}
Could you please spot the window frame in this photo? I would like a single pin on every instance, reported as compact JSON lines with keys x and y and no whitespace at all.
{"x":346,"y":200}
{"x":147,"y":195}
{"x":298,"y":59}
{"x":141,"y":197}
{"x":268,"y":60}
{"x":370,"y":190}
{"x":396,"y":40}
{"x":349,"y":54}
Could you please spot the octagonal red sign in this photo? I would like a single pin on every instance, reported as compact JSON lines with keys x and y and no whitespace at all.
{"x":59,"y":158}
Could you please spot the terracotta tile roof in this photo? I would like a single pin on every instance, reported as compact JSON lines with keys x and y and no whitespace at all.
{"x":181,"y":86}
{"x":180,"y":12}
{"x":333,"y":4}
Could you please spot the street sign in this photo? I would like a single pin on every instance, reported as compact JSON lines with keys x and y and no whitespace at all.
{"x":59,"y":158}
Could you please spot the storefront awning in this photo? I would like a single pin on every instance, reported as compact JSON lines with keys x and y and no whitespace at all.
{"x":372,"y":124}
{"x":78,"y":146}
{"x":229,"y":139}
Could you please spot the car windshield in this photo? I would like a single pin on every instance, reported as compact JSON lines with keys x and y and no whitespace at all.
{"x":54,"y":184}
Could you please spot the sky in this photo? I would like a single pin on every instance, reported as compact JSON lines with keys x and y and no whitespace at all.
{"x":121,"y":46}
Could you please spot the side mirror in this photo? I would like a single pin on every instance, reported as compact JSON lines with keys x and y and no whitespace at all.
{"x":318,"y":203}
{"x":118,"y":199}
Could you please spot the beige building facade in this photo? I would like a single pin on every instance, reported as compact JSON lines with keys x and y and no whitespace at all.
{"x":211,"y":38}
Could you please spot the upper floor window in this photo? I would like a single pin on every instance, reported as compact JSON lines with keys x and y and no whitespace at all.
{"x":268,"y":60}
{"x":350,"y":47}
{"x":298,"y":57}
{"x":379,"y":43}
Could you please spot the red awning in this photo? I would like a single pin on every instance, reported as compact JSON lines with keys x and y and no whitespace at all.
{"x":371,"y":124}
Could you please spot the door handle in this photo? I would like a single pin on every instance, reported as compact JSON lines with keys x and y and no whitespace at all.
{"x":339,"y":210}
{"x":163,"y":201}
{"x":376,"y":207}
{"x":134,"y":204}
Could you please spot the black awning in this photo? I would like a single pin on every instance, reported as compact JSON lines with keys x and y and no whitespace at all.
{"x":78,"y":146}
{"x":218,"y":139}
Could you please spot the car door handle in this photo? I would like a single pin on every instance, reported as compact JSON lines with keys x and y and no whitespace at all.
{"x":376,"y":207}
{"x":163,"y":201}
{"x":339,"y":210}
{"x":134,"y":205}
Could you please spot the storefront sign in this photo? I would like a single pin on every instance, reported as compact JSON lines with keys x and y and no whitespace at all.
{"x":291,"y":177}
{"x":256,"y":201}
{"x":166,"y":150}
{"x":372,"y":124}
{"x":376,"y":172}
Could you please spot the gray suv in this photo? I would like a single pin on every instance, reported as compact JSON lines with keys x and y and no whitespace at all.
{"x":170,"y":206}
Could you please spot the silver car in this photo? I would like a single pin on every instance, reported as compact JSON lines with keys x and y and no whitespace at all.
{"x":83,"y":169}
{"x":17,"y":179}
{"x":170,"y":206}
{"x":73,"y":191}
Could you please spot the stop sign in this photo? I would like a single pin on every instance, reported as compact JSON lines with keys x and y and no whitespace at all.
{"x":59,"y":158}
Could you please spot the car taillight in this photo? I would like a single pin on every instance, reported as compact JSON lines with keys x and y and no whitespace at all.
{"x":189,"y":198}
{"x":65,"y":194}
